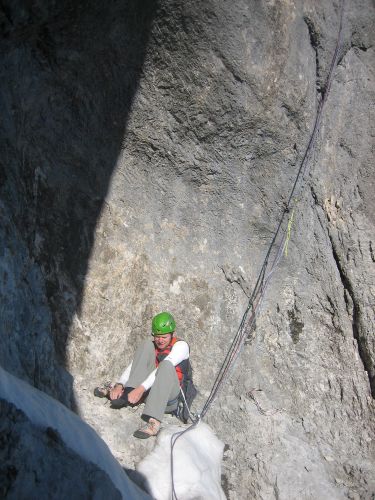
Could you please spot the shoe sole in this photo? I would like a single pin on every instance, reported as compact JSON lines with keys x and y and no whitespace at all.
{"x":100,"y":394}
{"x":118,"y":406}
{"x":143,"y":435}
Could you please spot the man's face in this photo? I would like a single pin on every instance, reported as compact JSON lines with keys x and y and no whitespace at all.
{"x":162,"y":341}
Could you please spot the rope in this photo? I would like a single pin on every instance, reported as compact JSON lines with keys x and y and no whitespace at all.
{"x":268,"y":269}
{"x":281,"y":240}
{"x":174,"y":438}
{"x":191,"y":416}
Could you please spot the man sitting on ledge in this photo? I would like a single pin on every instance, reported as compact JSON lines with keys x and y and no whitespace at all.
{"x":154,"y":376}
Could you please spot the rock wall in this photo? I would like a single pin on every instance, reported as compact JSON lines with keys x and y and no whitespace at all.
{"x":37,"y":464}
{"x":69,"y":73}
{"x":148,"y":156}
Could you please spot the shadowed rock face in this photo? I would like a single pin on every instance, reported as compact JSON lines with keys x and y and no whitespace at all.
{"x":35,"y":463}
{"x":147,"y":155}
{"x":69,"y":75}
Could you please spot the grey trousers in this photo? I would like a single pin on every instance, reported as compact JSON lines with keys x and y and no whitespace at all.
{"x":164,"y":390}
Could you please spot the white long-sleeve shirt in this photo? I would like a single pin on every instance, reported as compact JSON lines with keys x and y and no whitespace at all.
{"x":179,"y":352}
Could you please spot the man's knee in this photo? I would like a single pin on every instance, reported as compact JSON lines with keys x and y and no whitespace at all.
{"x":167,"y":376}
{"x":166,"y":367}
{"x":147,"y":344}
{"x":166,"y":372}
{"x":146,"y":347}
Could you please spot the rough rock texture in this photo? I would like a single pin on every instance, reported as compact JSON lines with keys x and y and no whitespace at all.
{"x":147,"y":156}
{"x":76,"y":436}
{"x":69,"y":72}
{"x":36,"y":464}
{"x":26,"y":347}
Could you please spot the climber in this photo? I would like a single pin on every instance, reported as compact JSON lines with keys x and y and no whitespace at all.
{"x":153,"y":377}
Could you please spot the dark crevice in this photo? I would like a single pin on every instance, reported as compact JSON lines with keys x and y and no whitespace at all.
{"x":78,"y":67}
{"x":276,"y":490}
{"x":359,"y":44}
{"x":314,"y":196}
{"x":346,"y":148}
{"x":371,"y":252}
{"x":295,"y":323}
{"x":315,"y":44}
{"x":331,"y":303}
{"x":361,"y":48}
{"x":232,"y":277}
{"x":356,"y":323}
{"x":353,"y":46}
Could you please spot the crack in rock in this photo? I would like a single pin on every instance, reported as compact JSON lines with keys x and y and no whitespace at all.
{"x":236,"y":277}
{"x":363,"y":350}
{"x":315,"y":44}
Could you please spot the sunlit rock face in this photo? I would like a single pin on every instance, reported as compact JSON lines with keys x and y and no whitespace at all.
{"x":147,"y":156}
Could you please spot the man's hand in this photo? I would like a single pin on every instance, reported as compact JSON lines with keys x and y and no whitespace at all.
{"x":135,"y":395}
{"x":116,"y":392}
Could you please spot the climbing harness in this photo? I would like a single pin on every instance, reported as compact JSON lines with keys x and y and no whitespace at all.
{"x":280,"y":240}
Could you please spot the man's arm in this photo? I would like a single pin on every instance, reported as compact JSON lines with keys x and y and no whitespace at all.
{"x":179,"y":352}
{"x":125,"y":375}
{"x":118,"y":388}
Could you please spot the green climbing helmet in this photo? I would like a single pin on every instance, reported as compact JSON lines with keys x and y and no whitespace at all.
{"x":163,"y":323}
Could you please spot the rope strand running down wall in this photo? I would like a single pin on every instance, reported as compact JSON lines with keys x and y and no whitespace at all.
{"x":277,"y":247}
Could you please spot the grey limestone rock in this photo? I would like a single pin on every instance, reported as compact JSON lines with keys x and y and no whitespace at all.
{"x":35,"y":463}
{"x":148,"y":153}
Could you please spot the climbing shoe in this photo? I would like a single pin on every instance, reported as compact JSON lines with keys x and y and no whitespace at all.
{"x":119,"y":403}
{"x":103,"y":392}
{"x":151,"y":429}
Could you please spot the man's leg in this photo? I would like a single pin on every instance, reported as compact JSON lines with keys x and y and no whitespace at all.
{"x":143,"y":364}
{"x":165,"y":388}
